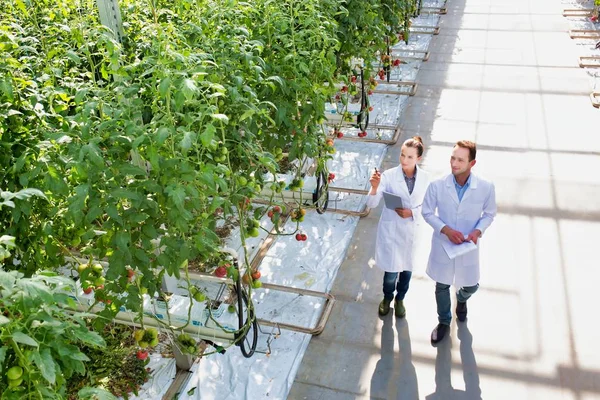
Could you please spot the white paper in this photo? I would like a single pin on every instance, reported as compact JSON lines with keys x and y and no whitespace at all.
{"x":455,"y":250}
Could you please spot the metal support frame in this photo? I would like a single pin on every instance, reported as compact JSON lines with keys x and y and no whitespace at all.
{"x":320,"y":325}
{"x":316,"y":330}
{"x":413,"y":88}
{"x":391,"y":141}
{"x":424,"y":57}
{"x":425,"y":30}
{"x":584,"y":64}
{"x":110,"y":16}
{"x":434,"y":10}
{"x":353,"y":123}
{"x":584,"y":34}
{"x":577,"y":12}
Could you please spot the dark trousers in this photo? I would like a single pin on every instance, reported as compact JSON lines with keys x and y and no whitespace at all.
{"x":442,"y":298}
{"x":391,"y":282}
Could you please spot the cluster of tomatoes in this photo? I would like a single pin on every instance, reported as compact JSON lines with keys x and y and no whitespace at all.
{"x":91,"y":277}
{"x":145,"y":338}
{"x":187,"y":344}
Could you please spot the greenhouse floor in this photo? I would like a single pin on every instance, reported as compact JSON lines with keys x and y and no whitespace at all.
{"x":505,"y":74}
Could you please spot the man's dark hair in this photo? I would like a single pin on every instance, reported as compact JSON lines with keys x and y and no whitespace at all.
{"x":471,"y":146}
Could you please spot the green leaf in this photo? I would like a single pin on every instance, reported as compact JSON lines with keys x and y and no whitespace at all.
{"x":186,"y":142}
{"x":80,"y":96}
{"x":189,"y":88}
{"x":27,"y":193}
{"x":126,"y":194}
{"x":122,"y":240}
{"x":71,"y":55}
{"x":20,"y":337}
{"x":7,"y":241}
{"x":161,"y":135}
{"x":91,"y":338}
{"x":95,"y":394}
{"x":208,"y":135}
{"x":79,"y":356}
{"x":36,"y":289}
{"x":44,"y":361}
{"x":3,"y":321}
{"x":7,"y":279}
{"x":247,"y":114}
{"x":178,"y":196}
{"x":163,"y":88}
{"x":2,"y":357}
{"x":221,"y":117}
{"x":129,"y":169}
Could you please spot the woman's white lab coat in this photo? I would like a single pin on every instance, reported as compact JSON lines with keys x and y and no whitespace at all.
{"x":476,"y":211}
{"x":396,"y":235}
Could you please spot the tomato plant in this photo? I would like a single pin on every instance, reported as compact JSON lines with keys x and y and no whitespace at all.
{"x":141,"y":149}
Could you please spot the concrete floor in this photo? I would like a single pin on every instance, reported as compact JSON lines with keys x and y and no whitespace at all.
{"x":503,"y":73}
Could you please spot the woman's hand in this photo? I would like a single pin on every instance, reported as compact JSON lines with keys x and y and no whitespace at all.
{"x":375,"y":180}
{"x":404,"y":212}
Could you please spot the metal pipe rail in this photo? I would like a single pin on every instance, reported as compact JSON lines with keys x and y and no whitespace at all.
{"x":584,"y":34}
{"x":577,"y":12}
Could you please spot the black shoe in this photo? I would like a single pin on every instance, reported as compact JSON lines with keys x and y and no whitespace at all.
{"x":461,"y":311}
{"x":439,"y":333}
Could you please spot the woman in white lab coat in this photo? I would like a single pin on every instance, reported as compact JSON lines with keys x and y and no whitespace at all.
{"x":396,"y":229}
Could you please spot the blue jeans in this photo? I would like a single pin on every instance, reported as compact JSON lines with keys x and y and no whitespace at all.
{"x":401,"y":285}
{"x":442,"y":298}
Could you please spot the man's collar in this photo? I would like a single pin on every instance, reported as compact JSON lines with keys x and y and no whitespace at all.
{"x":466,"y":183}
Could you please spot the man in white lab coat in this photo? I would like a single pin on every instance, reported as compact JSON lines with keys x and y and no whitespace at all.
{"x":459,"y":207}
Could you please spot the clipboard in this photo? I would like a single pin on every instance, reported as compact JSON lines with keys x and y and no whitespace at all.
{"x":392,"y":201}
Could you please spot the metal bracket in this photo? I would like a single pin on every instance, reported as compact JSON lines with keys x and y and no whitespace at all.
{"x":424,"y":57}
{"x":320,"y":326}
{"x":110,"y":16}
{"x":584,"y":64}
{"x":584,"y":34}
{"x":425,"y":30}
{"x":595,"y":98}
{"x":413,"y":88}
{"x":434,"y":10}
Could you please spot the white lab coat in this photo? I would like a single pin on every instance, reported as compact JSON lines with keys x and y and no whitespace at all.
{"x":395,"y":235}
{"x":476,"y":211}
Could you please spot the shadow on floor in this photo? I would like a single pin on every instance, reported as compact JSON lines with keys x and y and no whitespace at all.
{"x":443,"y":369}
{"x":395,"y":376}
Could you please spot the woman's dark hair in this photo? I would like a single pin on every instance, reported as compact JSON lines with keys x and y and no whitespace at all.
{"x":417,"y":143}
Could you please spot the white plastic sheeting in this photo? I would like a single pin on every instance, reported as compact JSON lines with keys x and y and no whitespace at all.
{"x":353,"y":163}
{"x":346,"y":201}
{"x":311,"y":264}
{"x":230,"y":376}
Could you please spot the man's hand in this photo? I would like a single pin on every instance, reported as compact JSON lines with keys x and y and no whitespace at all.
{"x":375,"y":180}
{"x":473,"y":236}
{"x":404,"y":212}
{"x":455,"y":237}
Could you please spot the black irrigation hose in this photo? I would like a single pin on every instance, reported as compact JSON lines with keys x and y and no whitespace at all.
{"x":242,"y":298}
{"x":320,"y":203}
{"x":363,"y":117}
{"x":388,"y":66}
